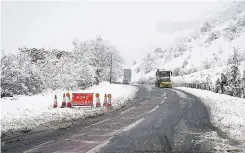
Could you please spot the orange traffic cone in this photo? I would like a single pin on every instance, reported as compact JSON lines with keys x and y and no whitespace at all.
{"x":109,"y":101}
{"x":55,"y":102}
{"x":105,"y":101}
{"x":97,"y":100}
{"x":64,"y":101}
{"x":68,"y":99}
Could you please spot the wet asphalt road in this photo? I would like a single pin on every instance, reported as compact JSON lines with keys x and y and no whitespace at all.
{"x":157,"y":120}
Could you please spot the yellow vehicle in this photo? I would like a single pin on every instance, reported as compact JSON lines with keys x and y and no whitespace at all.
{"x":163,"y":79}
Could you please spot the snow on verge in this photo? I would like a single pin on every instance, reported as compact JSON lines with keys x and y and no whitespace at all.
{"x":226,"y":112}
{"x":25,"y":113}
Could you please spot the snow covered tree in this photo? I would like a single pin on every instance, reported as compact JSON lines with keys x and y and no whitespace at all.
{"x":137,"y":70}
{"x":193,"y":69}
{"x":149,"y":63}
{"x":235,"y":58}
{"x":32,"y":70}
{"x":206,"y":64}
{"x":134,"y":62}
{"x":176,"y":71}
{"x":234,"y":76}
{"x":233,"y":73}
{"x":206,"y":27}
{"x":212,"y":36}
{"x":98,"y":55}
{"x":241,"y":20}
{"x":185,"y":63}
{"x":19,"y":75}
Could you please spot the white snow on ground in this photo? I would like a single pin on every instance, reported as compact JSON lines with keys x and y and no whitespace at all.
{"x":226,"y":112}
{"x":33,"y":112}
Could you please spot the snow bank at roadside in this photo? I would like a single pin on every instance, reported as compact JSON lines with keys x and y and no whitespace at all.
{"x":226,"y":112}
{"x":32,"y":112}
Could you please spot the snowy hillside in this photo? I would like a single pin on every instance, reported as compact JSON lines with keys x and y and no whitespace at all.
{"x":204,"y":50}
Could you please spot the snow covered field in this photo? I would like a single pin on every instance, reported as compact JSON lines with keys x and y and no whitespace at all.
{"x":25,"y":113}
{"x":226,"y":112}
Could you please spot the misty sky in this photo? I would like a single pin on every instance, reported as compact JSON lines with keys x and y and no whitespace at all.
{"x":130,"y":26}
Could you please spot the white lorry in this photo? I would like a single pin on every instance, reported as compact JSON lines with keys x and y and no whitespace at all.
{"x":127,"y":76}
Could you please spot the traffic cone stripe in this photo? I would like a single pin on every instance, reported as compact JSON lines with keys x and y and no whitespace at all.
{"x":68,"y":100}
{"x":55,"y":102}
{"x":64,"y":101}
{"x":108,"y":105}
{"x":105,"y":101}
{"x":97,"y":95}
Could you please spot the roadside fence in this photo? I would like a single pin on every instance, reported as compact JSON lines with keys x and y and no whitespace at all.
{"x":229,"y":90}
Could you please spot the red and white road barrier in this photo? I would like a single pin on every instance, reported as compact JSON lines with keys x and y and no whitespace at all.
{"x":68,"y":96}
{"x":63,"y":101}
{"x":108,"y":105}
{"x":68,"y":101}
{"x":105,"y":101}
{"x":97,"y":95}
{"x":55,"y":102}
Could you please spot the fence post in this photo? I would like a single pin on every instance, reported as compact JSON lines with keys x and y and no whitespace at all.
{"x":242,"y":92}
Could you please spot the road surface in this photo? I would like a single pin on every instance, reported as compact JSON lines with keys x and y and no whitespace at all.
{"x":157,"y":120}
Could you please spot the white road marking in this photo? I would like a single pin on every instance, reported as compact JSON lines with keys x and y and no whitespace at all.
{"x":153,"y":109}
{"x":38,"y":146}
{"x":127,"y":110}
{"x":111,"y":133}
{"x":97,"y":148}
{"x":162,"y":102}
{"x":134,"y":117}
{"x":98,"y":122}
{"x":164,"y":94}
{"x":128,"y":118}
{"x":82,"y":141}
{"x":132,"y":125}
{"x":104,"y":135}
{"x":144,"y":102}
{"x":78,"y":135}
{"x":92,"y":142}
{"x":114,"y":123}
{"x":101,"y":129}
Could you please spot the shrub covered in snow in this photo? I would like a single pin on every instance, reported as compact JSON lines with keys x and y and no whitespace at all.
{"x":206,"y":27}
{"x":176,"y":71}
{"x":32,"y":70}
{"x":212,"y":36}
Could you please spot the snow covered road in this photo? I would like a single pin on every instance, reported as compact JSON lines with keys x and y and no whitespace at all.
{"x":227,"y":113}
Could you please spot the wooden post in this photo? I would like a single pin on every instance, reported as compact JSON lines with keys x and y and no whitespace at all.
{"x":242,"y":92}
